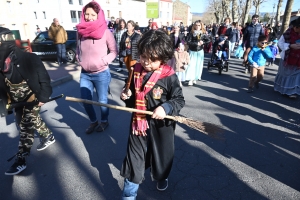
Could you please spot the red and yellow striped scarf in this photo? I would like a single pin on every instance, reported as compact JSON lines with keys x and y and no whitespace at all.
{"x":139,"y":123}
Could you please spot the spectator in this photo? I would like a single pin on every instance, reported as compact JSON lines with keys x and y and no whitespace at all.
{"x":276,"y":30}
{"x":233,"y":35}
{"x":118,"y":34}
{"x":222,"y":29}
{"x":128,"y":46}
{"x":95,"y":40}
{"x":116,"y":24}
{"x":38,"y":30}
{"x":288,"y":76}
{"x":182,"y":60}
{"x":251,"y":34}
{"x":196,"y":40}
{"x":59,"y":36}
{"x":154,"y":26}
{"x":149,"y":25}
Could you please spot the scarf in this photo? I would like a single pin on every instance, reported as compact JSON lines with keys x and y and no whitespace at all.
{"x":92,"y":29}
{"x":292,"y":55}
{"x":139,"y":123}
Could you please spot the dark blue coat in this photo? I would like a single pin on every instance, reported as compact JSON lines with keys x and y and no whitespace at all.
{"x":251,"y":34}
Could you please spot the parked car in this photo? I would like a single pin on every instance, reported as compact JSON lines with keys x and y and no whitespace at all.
{"x":45,"y":49}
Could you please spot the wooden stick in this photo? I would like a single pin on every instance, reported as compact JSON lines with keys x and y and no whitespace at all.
{"x":129,"y":80}
{"x":113,"y":106}
{"x":209,"y":129}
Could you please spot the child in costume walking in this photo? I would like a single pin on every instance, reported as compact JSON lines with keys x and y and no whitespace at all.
{"x":182,"y":59}
{"x":23,"y":78}
{"x":257,"y":58}
{"x":275,"y":52}
{"x":154,"y":87}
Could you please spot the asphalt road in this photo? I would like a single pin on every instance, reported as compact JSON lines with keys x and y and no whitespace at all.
{"x":258,"y":158}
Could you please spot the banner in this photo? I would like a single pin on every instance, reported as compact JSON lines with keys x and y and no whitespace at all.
{"x":152,"y":10}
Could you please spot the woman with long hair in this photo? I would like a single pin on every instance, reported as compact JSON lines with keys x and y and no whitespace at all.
{"x":287,"y":80}
{"x":128,"y":45}
{"x":94,"y":41}
{"x":118,"y":34}
{"x":197,"y":38}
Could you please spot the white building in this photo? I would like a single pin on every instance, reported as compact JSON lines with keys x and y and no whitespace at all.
{"x":165,"y":13}
{"x":27,"y":15}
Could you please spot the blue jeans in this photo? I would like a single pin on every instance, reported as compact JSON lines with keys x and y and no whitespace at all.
{"x":130,"y":190}
{"x":100,"y":81}
{"x":61,"y":53}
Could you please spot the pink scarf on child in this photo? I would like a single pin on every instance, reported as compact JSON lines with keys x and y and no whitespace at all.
{"x":92,"y":29}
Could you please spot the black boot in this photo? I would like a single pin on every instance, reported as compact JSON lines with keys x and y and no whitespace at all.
{"x":19,"y":165}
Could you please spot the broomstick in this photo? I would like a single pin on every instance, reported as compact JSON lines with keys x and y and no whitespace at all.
{"x":209,"y":129}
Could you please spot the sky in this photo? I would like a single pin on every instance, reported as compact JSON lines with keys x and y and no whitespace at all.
{"x":199,"y":6}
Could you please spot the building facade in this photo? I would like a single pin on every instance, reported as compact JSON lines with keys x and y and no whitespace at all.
{"x":28,"y":15}
{"x":182,"y":13}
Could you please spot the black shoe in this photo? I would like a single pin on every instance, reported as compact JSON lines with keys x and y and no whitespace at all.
{"x":45,"y":142}
{"x":250,"y":90}
{"x":18,"y":166}
{"x":162,"y":185}
{"x":256,"y":85}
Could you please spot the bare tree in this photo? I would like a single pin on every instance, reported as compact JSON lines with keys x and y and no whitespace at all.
{"x":277,"y":19}
{"x":286,"y":16}
{"x":241,"y":10}
{"x":234,"y":10}
{"x":216,"y":8}
{"x":247,"y":9}
{"x":256,"y":4}
{"x":225,"y":9}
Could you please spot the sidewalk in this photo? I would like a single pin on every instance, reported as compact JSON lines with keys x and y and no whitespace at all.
{"x":62,"y":74}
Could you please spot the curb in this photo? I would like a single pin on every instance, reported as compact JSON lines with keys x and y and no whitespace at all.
{"x":64,"y":79}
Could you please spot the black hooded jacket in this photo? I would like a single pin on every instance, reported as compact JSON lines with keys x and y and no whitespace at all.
{"x":33,"y":72}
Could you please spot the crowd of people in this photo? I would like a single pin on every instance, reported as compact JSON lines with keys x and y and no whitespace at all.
{"x":160,"y":59}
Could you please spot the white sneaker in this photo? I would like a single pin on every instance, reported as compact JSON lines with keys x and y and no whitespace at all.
{"x":190,"y":83}
{"x":194,"y":81}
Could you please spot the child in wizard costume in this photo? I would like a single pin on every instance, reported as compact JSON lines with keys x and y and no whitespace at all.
{"x":154,"y":87}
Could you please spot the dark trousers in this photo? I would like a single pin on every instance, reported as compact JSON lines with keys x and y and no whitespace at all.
{"x":61,"y":53}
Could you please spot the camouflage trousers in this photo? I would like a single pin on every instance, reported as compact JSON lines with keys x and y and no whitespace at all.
{"x":28,"y":120}
{"x":28,"y":117}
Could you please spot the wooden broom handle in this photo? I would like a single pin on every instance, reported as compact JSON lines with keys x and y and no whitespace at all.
{"x":129,"y":80}
{"x":114,"y":106}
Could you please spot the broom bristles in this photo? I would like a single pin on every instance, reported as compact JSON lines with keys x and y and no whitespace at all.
{"x":209,"y":129}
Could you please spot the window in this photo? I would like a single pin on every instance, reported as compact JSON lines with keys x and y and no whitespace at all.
{"x":167,"y":14}
{"x":120,"y":14}
{"x":79,"y":15}
{"x":160,"y":14}
{"x":44,"y":14}
{"x":20,"y":7}
{"x":108,"y":14}
{"x":73,"y":16}
{"x":71,"y":2}
{"x":107,"y":1}
{"x":8,"y":6}
{"x":120,"y":2}
{"x":80,"y":2}
{"x":35,"y":15}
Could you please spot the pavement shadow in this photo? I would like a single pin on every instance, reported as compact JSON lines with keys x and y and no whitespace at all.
{"x":275,"y":148}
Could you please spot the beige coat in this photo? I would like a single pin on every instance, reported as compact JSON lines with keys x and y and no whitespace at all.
{"x":181,"y":57}
{"x":57,"y":34}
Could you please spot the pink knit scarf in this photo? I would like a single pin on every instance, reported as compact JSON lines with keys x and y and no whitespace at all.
{"x":92,"y":29}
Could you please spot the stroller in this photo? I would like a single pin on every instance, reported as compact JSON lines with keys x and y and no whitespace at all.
{"x":215,"y":61}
